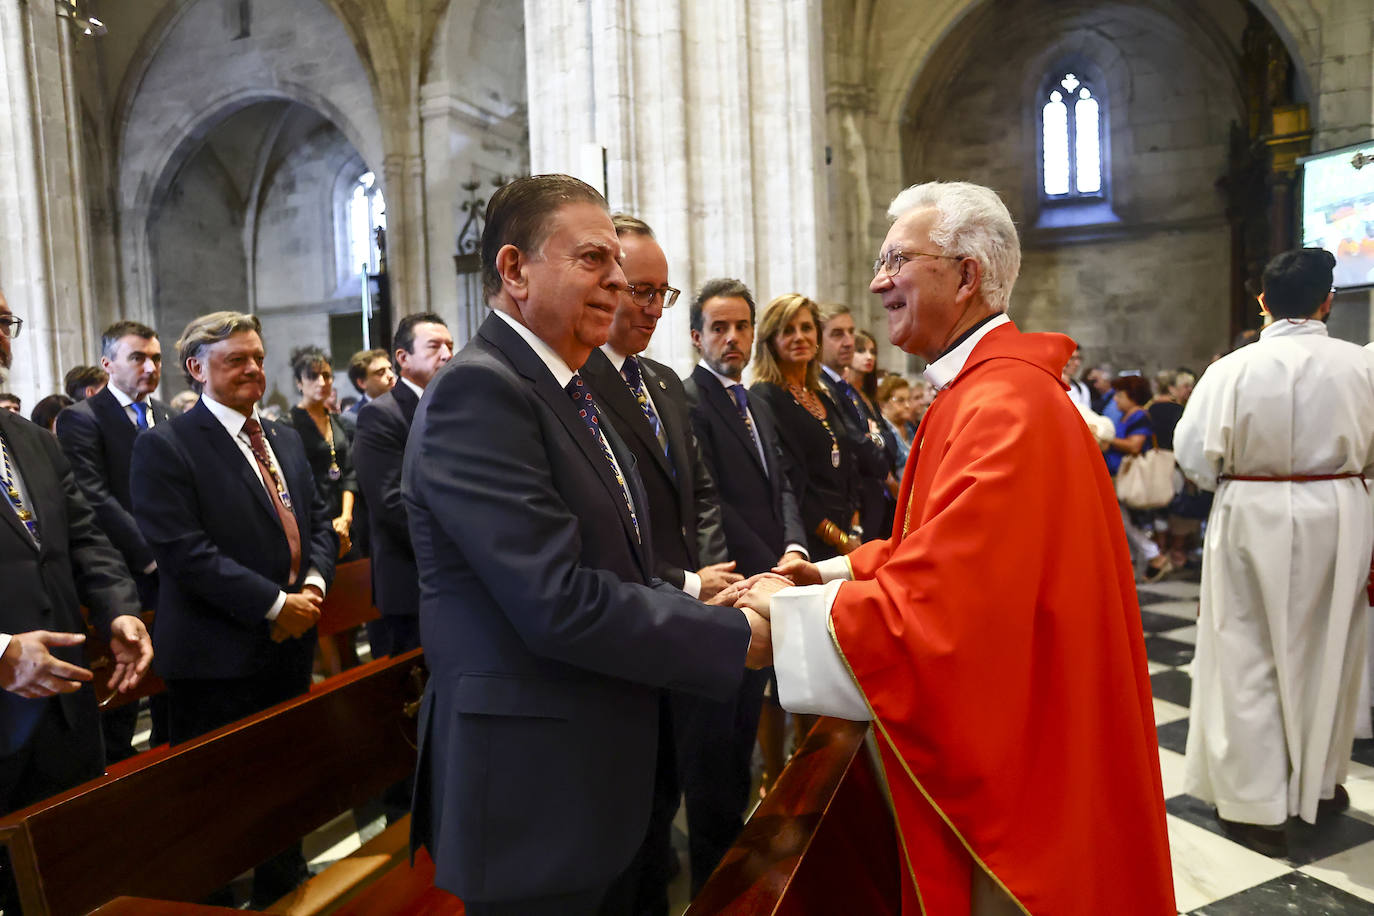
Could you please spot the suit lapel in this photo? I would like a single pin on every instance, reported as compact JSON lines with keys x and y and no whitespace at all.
{"x":406,"y":400}
{"x":24,"y":459}
{"x":301,"y":487}
{"x":724,"y":405}
{"x":161,"y":413}
{"x":615,"y":396}
{"x":114,"y":421}
{"x":527,"y":363}
{"x":224,"y":446}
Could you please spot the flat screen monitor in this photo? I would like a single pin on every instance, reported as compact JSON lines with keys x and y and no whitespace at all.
{"x":1338,"y":210}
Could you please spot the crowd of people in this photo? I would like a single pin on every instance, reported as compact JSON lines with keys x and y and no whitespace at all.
{"x":573,"y":532}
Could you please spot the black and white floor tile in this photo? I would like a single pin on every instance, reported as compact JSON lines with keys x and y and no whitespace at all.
{"x":1330,"y":868}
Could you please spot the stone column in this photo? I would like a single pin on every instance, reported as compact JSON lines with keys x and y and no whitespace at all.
{"x":44,"y":232}
{"x":711,"y":116}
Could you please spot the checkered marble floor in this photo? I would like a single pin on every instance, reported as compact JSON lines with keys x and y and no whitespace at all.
{"x":1330,"y":869}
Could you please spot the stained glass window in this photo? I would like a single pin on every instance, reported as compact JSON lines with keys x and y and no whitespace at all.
{"x":1071,"y":140}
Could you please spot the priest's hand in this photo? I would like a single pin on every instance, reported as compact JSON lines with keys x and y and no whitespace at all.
{"x":30,"y":670}
{"x":760,"y":654}
{"x":799,"y":570}
{"x":728,"y":595}
{"x":132,"y":649}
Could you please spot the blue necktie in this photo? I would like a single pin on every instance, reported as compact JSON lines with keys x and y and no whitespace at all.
{"x":635,"y":379}
{"x":140,"y":414}
{"x":742,"y":405}
{"x":586,"y":409}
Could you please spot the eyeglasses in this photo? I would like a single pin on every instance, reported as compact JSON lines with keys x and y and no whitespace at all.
{"x":644,"y":295}
{"x":10,"y":325}
{"x":887,"y":265}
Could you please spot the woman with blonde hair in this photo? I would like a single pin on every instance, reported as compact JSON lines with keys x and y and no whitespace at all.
{"x":786,"y":372}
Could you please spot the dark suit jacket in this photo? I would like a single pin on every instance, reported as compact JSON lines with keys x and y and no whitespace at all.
{"x":99,"y":441}
{"x":870,"y":459}
{"x":221,"y":552}
{"x":46,"y":586}
{"x":684,"y":514}
{"x":757,"y":504}
{"x":378,"y":450}
{"x":547,"y":638}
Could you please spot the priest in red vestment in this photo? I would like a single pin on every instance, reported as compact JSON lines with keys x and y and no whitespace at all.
{"x":995,"y":640}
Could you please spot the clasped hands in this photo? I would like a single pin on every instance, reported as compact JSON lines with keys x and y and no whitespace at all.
{"x":754,"y":596}
{"x":300,"y":612}
{"x":29,"y":669}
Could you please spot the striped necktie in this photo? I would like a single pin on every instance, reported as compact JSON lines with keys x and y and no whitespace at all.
{"x":586,"y":408}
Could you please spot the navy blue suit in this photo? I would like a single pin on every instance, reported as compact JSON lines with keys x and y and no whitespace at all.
{"x":221,"y":550}
{"x":378,"y":451}
{"x":547,"y":636}
{"x":47,"y":745}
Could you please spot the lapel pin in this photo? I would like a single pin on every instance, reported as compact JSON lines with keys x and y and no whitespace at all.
{"x":662,"y":384}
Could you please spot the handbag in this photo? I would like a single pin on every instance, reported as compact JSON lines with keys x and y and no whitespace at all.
{"x":1146,"y":481}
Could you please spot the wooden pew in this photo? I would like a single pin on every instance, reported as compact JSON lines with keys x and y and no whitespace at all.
{"x":822,"y":842}
{"x":178,"y":822}
{"x":347,"y":607}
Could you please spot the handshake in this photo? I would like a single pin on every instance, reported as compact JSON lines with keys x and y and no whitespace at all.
{"x":754,"y":595}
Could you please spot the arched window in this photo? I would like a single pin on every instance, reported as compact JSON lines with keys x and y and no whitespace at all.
{"x":366,"y":213}
{"x":1071,"y":140}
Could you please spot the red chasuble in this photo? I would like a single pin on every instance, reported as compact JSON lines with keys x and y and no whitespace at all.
{"x":997,"y":639}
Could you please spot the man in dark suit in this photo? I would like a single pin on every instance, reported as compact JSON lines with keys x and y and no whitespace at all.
{"x":423,"y":344}
{"x":244,"y":547}
{"x":97,"y":435}
{"x":370,"y":372}
{"x":871,"y":461}
{"x":763,"y":528}
{"x":547,"y":635}
{"x":645,"y":402}
{"x":55,"y":558}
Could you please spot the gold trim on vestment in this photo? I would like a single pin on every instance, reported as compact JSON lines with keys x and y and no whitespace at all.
{"x":830,"y":626}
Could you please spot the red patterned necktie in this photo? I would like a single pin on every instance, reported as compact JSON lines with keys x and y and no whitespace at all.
{"x":276,"y":489}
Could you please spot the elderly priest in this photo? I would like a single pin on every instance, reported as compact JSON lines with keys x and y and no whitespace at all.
{"x":995,"y":640}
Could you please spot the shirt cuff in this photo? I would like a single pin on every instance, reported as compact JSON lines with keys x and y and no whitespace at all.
{"x":150,"y":568}
{"x":313,"y":577}
{"x":691,"y":583}
{"x":812,"y":676}
{"x":834,"y":568}
{"x":277,"y":606}
{"x":4,"y":642}
{"x":798,"y":548}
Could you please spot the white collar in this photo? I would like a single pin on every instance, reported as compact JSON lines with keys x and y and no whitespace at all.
{"x":562,"y":372}
{"x":1287,"y":327}
{"x":231,"y":419}
{"x":419,"y":392}
{"x":617,"y":359}
{"x":123,"y":399}
{"x":832,"y":373}
{"x":725,"y":380}
{"x":947,"y":368}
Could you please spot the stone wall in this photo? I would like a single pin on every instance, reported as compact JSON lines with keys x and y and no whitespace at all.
{"x":1145,"y":287}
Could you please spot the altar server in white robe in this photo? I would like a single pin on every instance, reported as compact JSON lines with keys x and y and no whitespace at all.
{"x":1283,"y":431}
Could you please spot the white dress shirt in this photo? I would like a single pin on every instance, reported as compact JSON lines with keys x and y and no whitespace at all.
{"x":812,"y":676}
{"x":233,"y":423}
{"x":127,"y":403}
{"x":419,"y":392}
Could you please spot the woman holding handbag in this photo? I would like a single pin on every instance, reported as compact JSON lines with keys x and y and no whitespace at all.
{"x":1132,"y":441}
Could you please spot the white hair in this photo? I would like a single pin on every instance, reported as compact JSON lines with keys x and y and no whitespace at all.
{"x":973,"y":223}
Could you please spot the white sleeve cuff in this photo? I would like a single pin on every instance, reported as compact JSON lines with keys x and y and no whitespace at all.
{"x":691,"y":583}
{"x":277,"y":606}
{"x":313,"y":577}
{"x":4,"y":642}
{"x":812,"y":677}
{"x":798,"y":548}
{"x":834,"y":568}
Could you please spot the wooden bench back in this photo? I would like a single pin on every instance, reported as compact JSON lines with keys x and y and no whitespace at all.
{"x":822,"y":842}
{"x":188,"y":819}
